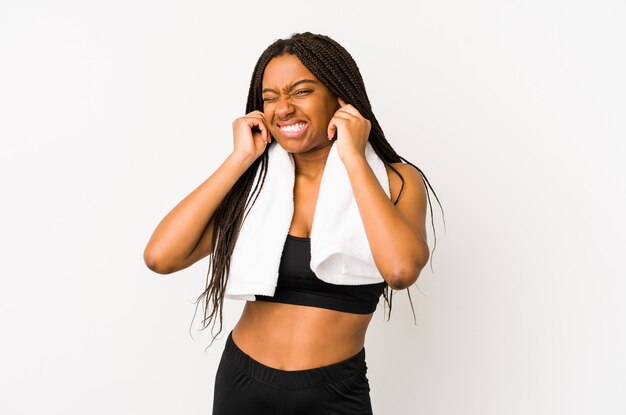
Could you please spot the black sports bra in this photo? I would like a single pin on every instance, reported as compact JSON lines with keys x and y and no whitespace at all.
{"x":297,"y":284}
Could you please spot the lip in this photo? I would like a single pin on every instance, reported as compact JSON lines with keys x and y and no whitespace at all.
{"x":289,"y":122}
{"x":292,"y":134}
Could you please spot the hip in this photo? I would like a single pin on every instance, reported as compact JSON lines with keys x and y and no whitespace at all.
{"x":244,"y":385}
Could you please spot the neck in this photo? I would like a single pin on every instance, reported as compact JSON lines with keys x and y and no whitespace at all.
{"x":310,"y":164}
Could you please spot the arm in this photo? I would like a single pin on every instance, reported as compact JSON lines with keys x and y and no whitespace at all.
{"x":396,"y":233}
{"x":184,"y":236}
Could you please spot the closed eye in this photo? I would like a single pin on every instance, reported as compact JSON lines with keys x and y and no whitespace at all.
{"x":299,"y":92}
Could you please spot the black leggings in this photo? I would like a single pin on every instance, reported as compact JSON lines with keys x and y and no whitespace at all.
{"x":244,"y":386}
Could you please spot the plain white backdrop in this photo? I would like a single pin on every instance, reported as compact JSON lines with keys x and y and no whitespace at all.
{"x":112,"y":111}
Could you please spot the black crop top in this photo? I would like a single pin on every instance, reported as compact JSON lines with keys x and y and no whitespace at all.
{"x":297,"y":284}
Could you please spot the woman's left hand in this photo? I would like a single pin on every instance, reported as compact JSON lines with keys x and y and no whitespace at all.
{"x":352,"y":131}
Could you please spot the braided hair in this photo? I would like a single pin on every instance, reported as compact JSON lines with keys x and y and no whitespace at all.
{"x":337,"y":70}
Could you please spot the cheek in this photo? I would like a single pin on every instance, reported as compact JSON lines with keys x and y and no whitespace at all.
{"x":272,"y":129}
{"x":326,"y":116}
{"x":330,"y":107}
{"x":323,"y":112}
{"x":268,"y":114}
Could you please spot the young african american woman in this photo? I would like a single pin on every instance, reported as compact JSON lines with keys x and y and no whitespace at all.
{"x":303,"y":354}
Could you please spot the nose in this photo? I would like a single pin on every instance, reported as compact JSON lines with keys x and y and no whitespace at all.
{"x":284,"y":107}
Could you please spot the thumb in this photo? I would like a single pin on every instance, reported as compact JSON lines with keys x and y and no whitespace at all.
{"x":332,"y":128}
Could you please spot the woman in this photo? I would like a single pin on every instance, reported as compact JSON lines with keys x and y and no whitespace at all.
{"x":300,"y":352}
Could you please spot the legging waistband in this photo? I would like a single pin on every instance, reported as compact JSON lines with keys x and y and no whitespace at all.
{"x":294,"y":378}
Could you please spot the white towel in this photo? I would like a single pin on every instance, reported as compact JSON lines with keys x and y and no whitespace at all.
{"x":340,"y":252}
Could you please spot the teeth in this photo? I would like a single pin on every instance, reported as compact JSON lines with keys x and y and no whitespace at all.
{"x":293,"y":128}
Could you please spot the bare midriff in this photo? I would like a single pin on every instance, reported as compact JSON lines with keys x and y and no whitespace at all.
{"x":295,"y":337}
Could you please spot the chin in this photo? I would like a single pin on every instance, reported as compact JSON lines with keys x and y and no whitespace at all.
{"x":300,"y":144}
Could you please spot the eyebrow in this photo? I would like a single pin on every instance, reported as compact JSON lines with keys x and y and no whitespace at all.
{"x":302,"y":81}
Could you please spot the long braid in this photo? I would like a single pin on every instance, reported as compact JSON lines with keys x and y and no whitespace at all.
{"x":335,"y":68}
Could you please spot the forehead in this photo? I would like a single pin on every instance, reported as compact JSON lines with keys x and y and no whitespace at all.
{"x":284,"y":70}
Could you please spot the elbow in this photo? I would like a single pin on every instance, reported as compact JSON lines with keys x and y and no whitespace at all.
{"x":404,"y":279}
{"x":155,"y":263}
{"x":406,"y":276}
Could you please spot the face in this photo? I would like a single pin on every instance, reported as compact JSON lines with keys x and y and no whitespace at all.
{"x":297,"y":106}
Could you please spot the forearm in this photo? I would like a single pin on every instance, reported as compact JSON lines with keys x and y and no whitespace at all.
{"x":179,"y":231}
{"x":398,"y":251}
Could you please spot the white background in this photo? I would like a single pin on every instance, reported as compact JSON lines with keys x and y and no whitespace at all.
{"x":112,"y":111}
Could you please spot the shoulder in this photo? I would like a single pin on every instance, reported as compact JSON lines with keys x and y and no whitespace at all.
{"x":413,"y":182}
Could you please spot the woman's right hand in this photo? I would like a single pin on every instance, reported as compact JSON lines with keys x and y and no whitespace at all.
{"x":251,"y":135}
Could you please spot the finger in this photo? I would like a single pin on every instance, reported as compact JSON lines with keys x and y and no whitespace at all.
{"x":255,"y":116}
{"x":264,"y":129}
{"x":350,"y":110}
{"x":343,"y":115}
{"x":342,"y":103}
{"x":268,"y":135}
{"x":257,"y":120}
{"x":335,"y":123}
{"x":332,"y":128}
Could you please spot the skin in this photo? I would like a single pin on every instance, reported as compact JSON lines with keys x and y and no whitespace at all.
{"x":286,"y":336}
{"x":294,"y":337}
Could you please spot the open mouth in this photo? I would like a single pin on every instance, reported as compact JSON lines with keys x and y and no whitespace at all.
{"x":293,"y":130}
